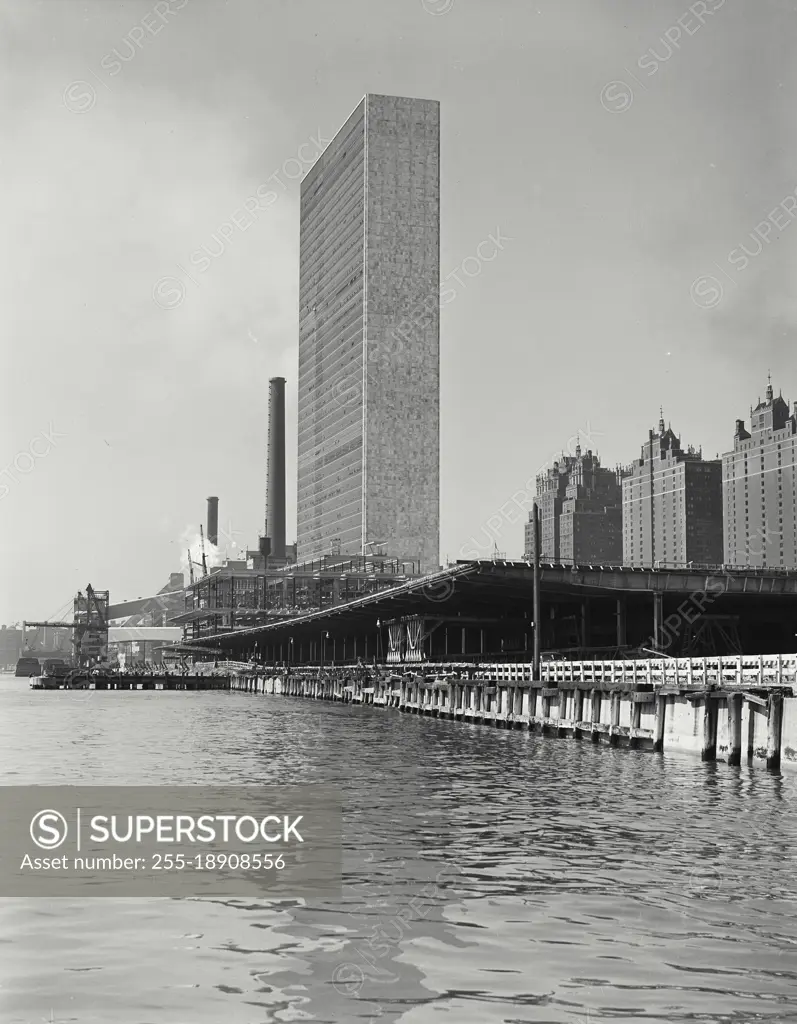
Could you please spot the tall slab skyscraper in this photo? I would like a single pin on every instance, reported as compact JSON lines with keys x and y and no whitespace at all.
{"x":369,"y":337}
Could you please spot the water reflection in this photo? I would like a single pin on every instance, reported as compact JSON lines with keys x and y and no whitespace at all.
{"x":488,"y":875}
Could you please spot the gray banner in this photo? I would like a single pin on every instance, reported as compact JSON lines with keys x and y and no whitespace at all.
{"x":267,"y":841}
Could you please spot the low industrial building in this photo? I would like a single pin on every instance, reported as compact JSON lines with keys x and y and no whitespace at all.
{"x":238,"y":595}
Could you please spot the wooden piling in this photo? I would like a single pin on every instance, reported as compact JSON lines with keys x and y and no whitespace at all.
{"x":578,"y":709}
{"x":734,"y":728}
{"x":636,"y":721}
{"x":497,"y":694}
{"x":561,"y":729}
{"x":708,"y":750}
{"x":533,"y":703}
{"x":546,"y":709}
{"x":658,"y":725}
{"x":595,"y":696}
{"x":774,"y":726}
{"x":615,"y":719}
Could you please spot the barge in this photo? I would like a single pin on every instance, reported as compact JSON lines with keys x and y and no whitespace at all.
{"x":132,"y":681}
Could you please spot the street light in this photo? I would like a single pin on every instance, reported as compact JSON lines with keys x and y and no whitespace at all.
{"x":324,"y":637}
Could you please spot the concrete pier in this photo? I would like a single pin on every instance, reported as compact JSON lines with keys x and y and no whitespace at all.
{"x":718,"y":709}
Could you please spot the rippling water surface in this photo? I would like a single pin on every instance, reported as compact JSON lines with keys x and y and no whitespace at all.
{"x":490,"y":876}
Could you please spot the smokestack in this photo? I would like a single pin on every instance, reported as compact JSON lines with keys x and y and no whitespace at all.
{"x":213,"y":521}
{"x":275,"y":494}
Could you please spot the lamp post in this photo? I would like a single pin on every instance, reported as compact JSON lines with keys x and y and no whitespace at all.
{"x":536,"y":590}
{"x":324,"y":638}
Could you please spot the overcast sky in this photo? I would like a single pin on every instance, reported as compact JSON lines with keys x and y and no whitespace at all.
{"x":626,"y":151}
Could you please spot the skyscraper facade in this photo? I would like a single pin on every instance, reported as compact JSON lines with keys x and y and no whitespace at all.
{"x":759,"y":487}
{"x":580,"y":506}
{"x":369,"y":375}
{"x":672,"y":505}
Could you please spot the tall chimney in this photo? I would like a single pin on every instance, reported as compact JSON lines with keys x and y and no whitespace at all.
{"x":213,"y":521}
{"x":275,"y":493}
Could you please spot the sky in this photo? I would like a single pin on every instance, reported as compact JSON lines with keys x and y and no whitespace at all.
{"x":637,"y":160}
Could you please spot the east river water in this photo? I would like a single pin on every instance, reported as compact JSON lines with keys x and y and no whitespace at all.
{"x":580,"y":884}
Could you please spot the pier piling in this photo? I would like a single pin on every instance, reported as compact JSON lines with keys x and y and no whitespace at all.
{"x":774,"y":726}
{"x":734,"y":729}
{"x":708,"y":750}
{"x":645,"y":703}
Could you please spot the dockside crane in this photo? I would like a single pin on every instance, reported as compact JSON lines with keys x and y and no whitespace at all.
{"x":192,"y":562}
{"x":89,"y":625}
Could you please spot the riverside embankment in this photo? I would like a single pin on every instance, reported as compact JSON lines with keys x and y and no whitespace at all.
{"x":726,"y":708}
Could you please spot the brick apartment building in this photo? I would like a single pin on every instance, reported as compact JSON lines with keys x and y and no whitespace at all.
{"x":672,"y":505}
{"x":580,"y":506}
{"x":759,"y":485}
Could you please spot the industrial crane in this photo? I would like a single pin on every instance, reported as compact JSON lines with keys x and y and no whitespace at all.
{"x":191,"y":564}
{"x":90,"y":625}
{"x":204,"y":560}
